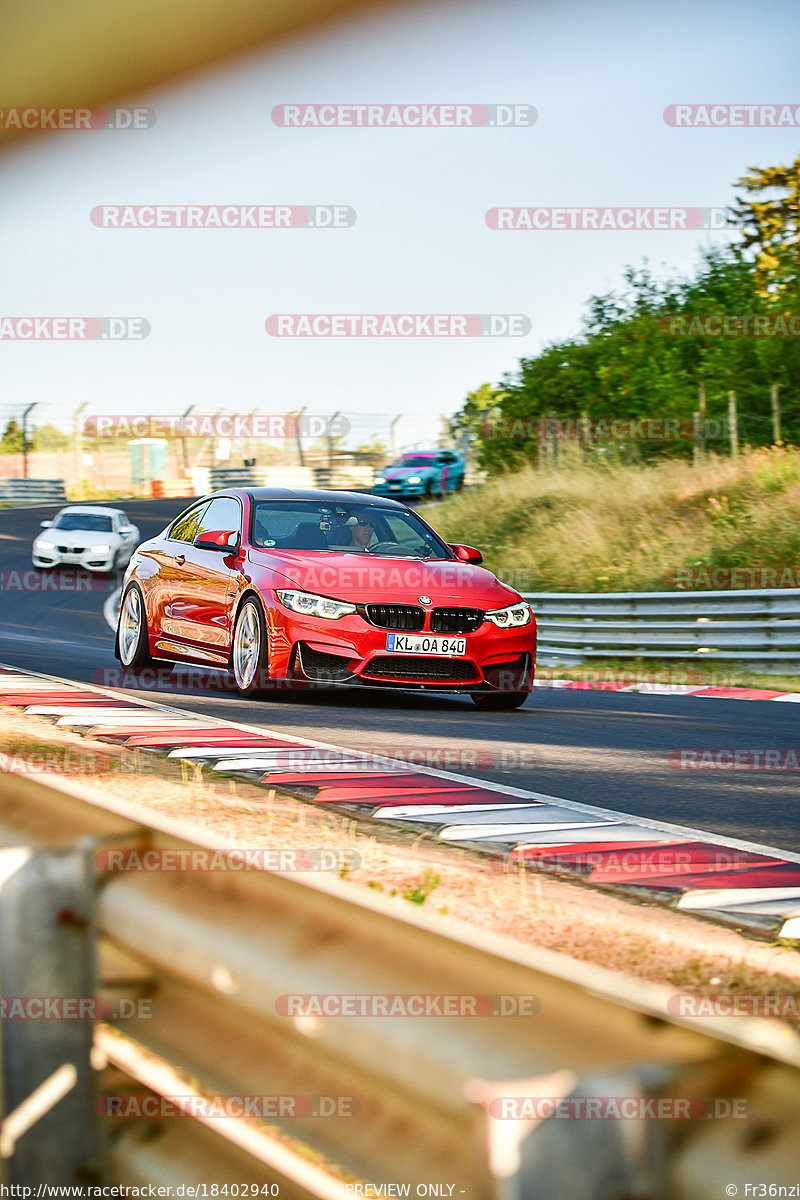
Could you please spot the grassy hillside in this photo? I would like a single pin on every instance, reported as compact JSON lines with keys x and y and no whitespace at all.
{"x":632,"y":528}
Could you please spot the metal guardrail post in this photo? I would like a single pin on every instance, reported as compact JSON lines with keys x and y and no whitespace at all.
{"x":50,"y":1133}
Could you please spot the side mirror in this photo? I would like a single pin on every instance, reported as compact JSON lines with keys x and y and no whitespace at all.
{"x":223,"y":540}
{"x":467,"y":554}
{"x":46,"y":524}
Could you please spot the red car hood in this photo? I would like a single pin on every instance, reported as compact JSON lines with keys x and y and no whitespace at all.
{"x":365,"y":578}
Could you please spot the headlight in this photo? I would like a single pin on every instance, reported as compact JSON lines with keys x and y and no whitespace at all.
{"x":99,"y":549}
{"x":41,"y":544}
{"x":511,"y":617}
{"x":415,"y":479}
{"x":380,"y":479}
{"x":315,"y":606}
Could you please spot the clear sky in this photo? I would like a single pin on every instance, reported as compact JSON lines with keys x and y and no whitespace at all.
{"x":599,"y":75}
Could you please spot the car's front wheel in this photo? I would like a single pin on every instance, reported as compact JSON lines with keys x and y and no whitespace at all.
{"x":499,"y":701}
{"x":249,"y":654}
{"x":133,"y":649}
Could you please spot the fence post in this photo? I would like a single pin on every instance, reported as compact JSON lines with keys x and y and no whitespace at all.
{"x":47,"y":940}
{"x":556,"y":432}
{"x":733,"y":425}
{"x":77,"y":449}
{"x":776,"y":413}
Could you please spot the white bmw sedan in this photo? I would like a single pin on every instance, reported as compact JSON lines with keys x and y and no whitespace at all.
{"x":86,"y":535}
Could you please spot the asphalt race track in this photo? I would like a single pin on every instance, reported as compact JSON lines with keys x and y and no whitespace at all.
{"x":600,"y":748}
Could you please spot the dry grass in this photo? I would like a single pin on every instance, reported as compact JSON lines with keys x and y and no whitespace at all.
{"x":629,"y":528}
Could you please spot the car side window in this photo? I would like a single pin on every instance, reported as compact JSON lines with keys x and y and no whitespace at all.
{"x":187,"y":526}
{"x":222,"y":513}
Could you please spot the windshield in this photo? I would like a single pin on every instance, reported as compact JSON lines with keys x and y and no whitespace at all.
{"x":353,"y":527}
{"x":419,"y":460}
{"x":88,"y":522}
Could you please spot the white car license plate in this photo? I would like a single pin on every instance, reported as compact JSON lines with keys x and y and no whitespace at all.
{"x":414,"y":643}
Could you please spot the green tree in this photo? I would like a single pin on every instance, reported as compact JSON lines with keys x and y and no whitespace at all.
{"x":772,"y":226}
{"x":11,"y":441}
{"x":477,"y":418}
{"x":49,"y":437}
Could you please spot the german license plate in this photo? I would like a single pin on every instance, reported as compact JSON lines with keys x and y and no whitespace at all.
{"x":414,"y":643}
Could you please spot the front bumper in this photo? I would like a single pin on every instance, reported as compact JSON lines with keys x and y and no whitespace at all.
{"x":81,"y":558}
{"x":401,"y":489}
{"x":355,"y":652}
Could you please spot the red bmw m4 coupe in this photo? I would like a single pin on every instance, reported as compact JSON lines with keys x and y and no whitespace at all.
{"x":280,"y":585}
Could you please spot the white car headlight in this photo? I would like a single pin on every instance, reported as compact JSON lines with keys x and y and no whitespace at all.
{"x":380,"y":479}
{"x":415,"y":479}
{"x":42,"y":544}
{"x":99,"y":549}
{"x":310,"y":605}
{"x":511,"y":617}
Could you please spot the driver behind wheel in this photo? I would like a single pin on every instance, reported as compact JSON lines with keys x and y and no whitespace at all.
{"x":362,"y":529}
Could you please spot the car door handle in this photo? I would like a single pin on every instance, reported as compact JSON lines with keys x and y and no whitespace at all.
{"x":180,"y":559}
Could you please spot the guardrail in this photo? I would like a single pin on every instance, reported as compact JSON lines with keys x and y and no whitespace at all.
{"x":210,"y":479}
{"x":32,"y":491}
{"x":215,"y":951}
{"x":761,"y":627}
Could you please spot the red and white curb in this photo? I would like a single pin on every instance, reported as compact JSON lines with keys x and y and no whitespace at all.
{"x":668,"y":689}
{"x":752,"y":887}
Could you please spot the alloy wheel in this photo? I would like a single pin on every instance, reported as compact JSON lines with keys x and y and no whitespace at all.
{"x":246,"y":647}
{"x":130,"y":626}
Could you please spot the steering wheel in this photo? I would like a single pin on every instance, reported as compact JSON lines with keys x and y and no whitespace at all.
{"x":389,"y":547}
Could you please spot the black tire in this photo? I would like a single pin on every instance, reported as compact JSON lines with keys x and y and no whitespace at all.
{"x":249,"y":650}
{"x":132,"y":641}
{"x":499,"y":701}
